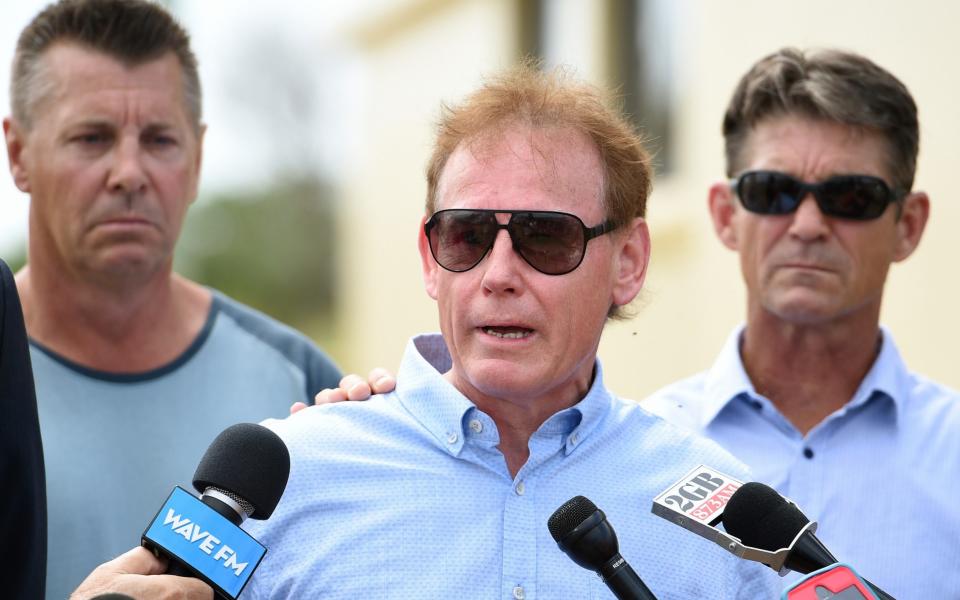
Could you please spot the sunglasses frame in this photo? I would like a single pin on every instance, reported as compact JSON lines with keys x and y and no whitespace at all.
{"x":893,"y":195}
{"x":588,"y":234}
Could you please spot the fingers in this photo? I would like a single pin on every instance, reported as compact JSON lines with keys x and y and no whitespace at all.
{"x":353,"y":387}
{"x":381,"y":381}
{"x":138,"y":574}
{"x":327,"y":396}
{"x":298,"y":406}
{"x":139,"y":561}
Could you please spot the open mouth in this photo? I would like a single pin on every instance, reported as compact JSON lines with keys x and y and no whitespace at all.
{"x":510,"y":333}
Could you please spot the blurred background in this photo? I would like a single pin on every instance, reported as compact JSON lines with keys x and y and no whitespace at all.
{"x":320,"y":118}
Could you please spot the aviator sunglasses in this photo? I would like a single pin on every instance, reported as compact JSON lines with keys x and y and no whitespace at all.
{"x":856,"y":197}
{"x":551,"y":242}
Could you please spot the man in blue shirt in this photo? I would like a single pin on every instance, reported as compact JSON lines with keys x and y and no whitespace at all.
{"x":533,"y":237}
{"x":812,"y":393}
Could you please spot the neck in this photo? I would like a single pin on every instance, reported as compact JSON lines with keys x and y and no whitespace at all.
{"x":808,"y":371}
{"x":119,"y":327}
{"x":517,"y":419}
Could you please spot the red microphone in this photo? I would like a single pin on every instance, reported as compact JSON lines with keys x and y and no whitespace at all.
{"x":837,"y":581}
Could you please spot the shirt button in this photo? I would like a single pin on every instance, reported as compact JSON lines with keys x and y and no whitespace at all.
{"x":808,"y":452}
{"x":520,"y":488}
{"x":452,"y":437}
{"x":476,"y":426}
{"x":518,"y":592}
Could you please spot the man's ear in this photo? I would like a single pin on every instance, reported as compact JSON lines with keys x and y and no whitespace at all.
{"x":631,"y":262}
{"x":427,"y":263}
{"x":198,"y":161}
{"x":15,"y":138}
{"x":912,"y":222}
{"x":722,"y":205}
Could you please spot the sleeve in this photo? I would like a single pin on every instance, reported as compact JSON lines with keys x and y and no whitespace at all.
{"x":23,"y":514}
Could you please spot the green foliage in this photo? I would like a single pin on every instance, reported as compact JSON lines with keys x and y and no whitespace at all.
{"x":15,"y":257}
{"x":273,"y":249}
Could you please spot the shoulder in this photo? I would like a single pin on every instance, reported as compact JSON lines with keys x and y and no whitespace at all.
{"x":293,"y":346}
{"x":933,"y":405}
{"x":675,"y":447}
{"x":680,"y":403}
{"x":343,"y":427}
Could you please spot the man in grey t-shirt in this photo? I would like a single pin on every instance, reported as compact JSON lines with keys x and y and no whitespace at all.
{"x":137,"y":368}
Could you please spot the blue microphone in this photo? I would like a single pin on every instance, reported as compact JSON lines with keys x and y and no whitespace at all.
{"x":242,"y":474}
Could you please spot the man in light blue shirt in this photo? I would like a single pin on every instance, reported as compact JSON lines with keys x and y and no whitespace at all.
{"x":443,"y":488}
{"x":812,"y":393}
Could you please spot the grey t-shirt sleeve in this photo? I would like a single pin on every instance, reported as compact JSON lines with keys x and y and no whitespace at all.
{"x":319,"y":370}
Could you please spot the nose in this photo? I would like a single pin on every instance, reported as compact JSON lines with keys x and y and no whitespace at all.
{"x":127,"y":175}
{"x":809,"y":223}
{"x":502,"y":267}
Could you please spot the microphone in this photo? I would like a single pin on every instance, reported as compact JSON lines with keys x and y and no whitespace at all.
{"x":584,"y":534}
{"x":838,"y":581}
{"x":761,"y":518}
{"x":242,"y":474}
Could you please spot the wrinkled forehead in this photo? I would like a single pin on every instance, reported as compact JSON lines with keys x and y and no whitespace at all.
{"x":513,"y":167}
{"x":76,"y":77}
{"x":816,"y":148}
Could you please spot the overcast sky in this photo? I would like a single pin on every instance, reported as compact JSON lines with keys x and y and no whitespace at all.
{"x":235,"y":41}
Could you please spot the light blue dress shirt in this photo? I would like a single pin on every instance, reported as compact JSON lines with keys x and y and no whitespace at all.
{"x":407,"y":496}
{"x":881,"y":475}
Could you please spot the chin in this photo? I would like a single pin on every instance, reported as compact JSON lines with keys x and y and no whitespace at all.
{"x":130,"y":264}
{"x":806,"y":313}
{"x":504,"y":379}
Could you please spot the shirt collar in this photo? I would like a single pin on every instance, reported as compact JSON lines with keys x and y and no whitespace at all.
{"x":888,"y":376}
{"x":727,"y":379}
{"x":445,"y":412}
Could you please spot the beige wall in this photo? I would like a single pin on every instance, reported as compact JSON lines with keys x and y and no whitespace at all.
{"x":439,"y":50}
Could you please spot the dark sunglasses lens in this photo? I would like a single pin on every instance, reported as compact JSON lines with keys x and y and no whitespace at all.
{"x":551,"y":242}
{"x":460,"y":238}
{"x":858,"y":198}
{"x":768,"y":193}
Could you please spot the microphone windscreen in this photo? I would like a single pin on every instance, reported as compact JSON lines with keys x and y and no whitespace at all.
{"x":569,"y":516}
{"x":250,"y":461}
{"x":762,"y":518}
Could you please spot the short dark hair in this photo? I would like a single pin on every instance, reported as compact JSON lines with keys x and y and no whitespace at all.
{"x":832,"y":85}
{"x":132,"y":31}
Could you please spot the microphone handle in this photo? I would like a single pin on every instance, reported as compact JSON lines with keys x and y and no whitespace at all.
{"x":175,"y":567}
{"x":624,"y":582}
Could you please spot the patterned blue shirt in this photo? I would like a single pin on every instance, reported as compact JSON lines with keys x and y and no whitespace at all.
{"x":881,"y":475}
{"x":407,"y":496}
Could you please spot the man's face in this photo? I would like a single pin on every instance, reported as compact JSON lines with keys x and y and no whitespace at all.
{"x":111,"y":164}
{"x":805,"y":267}
{"x":513,"y":332}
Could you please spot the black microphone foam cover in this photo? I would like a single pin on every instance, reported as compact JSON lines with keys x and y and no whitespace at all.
{"x":250,"y":461}
{"x":762,"y":518}
{"x":569,"y":516}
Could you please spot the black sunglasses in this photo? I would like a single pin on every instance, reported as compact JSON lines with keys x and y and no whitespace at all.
{"x":856,"y":197}
{"x":551,"y":242}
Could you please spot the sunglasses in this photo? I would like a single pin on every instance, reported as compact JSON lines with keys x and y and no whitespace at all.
{"x":855,"y":197}
{"x":551,"y":242}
